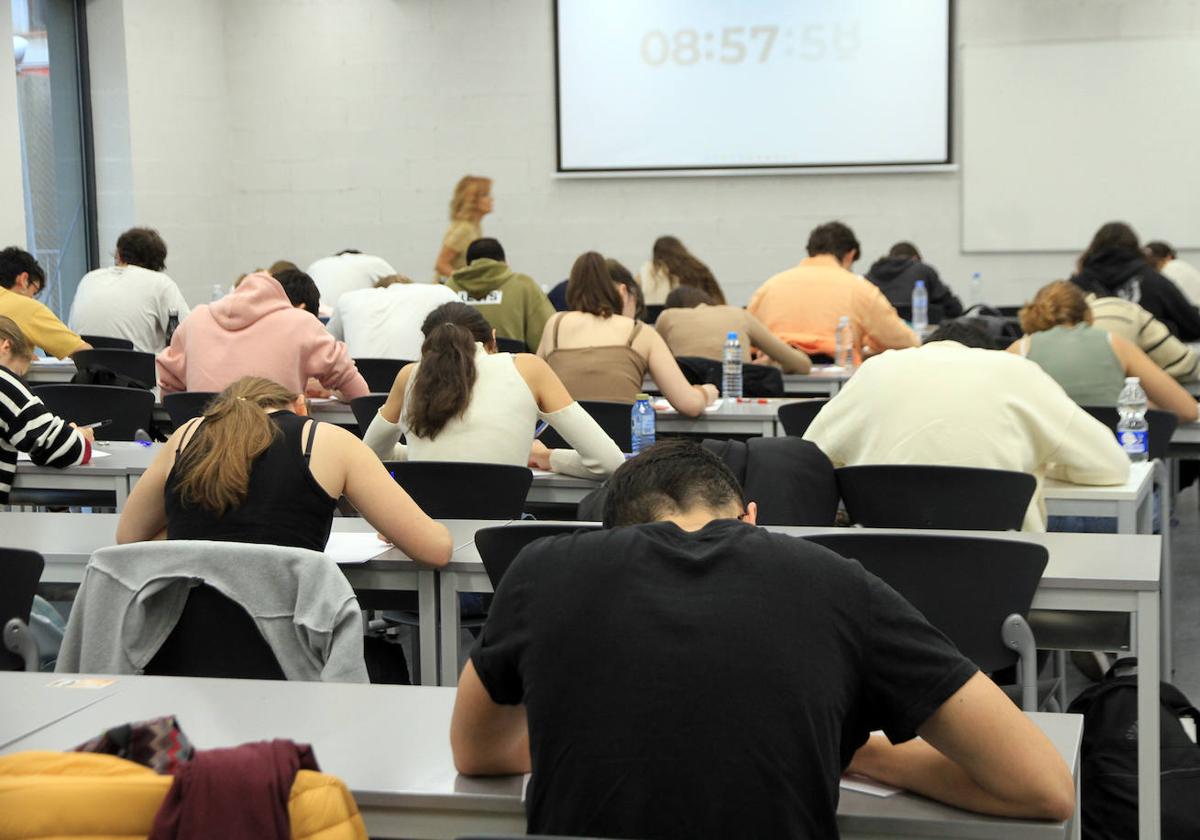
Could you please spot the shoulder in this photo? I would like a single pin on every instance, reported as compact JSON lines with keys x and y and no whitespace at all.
{"x":528,"y":364}
{"x":13,"y":385}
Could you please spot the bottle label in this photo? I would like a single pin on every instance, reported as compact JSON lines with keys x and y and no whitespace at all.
{"x":1134,"y":443}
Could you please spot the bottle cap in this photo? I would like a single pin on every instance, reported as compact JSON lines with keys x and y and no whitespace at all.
{"x":731,"y":337}
{"x":641,"y":397}
{"x":920,"y":284}
{"x":1132,"y":380}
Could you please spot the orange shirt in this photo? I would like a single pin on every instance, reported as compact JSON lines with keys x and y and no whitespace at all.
{"x":803,"y":304}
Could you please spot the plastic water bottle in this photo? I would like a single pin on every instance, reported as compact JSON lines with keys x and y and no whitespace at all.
{"x":641,"y":422}
{"x":1133,"y":432}
{"x":218,"y":291}
{"x":976,"y":289}
{"x":920,"y":308}
{"x":172,"y":325}
{"x":843,"y":340}
{"x":731,"y":368}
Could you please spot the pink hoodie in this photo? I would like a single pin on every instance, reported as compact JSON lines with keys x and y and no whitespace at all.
{"x":255,"y":331}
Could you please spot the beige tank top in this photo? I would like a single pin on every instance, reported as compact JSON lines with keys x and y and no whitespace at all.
{"x":610,"y":372}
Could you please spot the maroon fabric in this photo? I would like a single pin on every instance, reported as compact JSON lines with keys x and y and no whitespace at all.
{"x":238,"y":793}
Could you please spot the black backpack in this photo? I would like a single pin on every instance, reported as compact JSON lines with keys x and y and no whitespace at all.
{"x":1109,"y":759}
{"x":757,"y":380}
{"x":1001,"y":329}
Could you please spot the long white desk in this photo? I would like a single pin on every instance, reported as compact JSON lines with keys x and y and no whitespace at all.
{"x":50,"y":371}
{"x":391,"y":746}
{"x":118,"y":471}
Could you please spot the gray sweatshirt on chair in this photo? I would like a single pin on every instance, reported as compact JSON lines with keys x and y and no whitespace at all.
{"x":132,"y":596}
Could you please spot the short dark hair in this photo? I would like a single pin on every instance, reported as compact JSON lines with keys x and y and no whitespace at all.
{"x":672,"y":476}
{"x":964,"y":332}
{"x":1160,"y":250}
{"x":833,"y":238}
{"x":1113,"y":236}
{"x":300,"y":289}
{"x":905,"y":249}
{"x":347,"y":251}
{"x":142,"y":246}
{"x":686,"y":297}
{"x":485,"y":249}
{"x":14,"y":261}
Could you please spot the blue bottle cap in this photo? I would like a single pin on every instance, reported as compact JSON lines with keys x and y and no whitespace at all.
{"x":732,"y":336}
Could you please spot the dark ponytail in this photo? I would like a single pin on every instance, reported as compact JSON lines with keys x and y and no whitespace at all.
{"x":446,"y":375}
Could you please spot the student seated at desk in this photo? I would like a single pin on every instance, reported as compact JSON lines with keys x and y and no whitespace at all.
{"x":465,"y":402}
{"x":266,"y":327}
{"x":673,"y":266}
{"x":637,"y":672}
{"x":26,"y":425}
{"x":600,"y":352}
{"x":693,"y":325}
{"x":254,"y":469}
{"x":21,"y":281}
{"x":1091,"y":364}
{"x":956,"y":402}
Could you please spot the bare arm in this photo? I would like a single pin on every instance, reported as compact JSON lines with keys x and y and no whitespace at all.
{"x":979,"y":752}
{"x":145,"y":514}
{"x":689,"y":400}
{"x":395,"y":402}
{"x":1160,"y":387}
{"x":487,"y":739}
{"x":445,"y":261}
{"x":789,"y":358}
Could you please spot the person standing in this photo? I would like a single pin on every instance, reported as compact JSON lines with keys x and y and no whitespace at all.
{"x":133,"y":299}
{"x":472,"y":201}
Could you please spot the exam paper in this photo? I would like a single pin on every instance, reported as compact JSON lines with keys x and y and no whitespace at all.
{"x":96,"y":453}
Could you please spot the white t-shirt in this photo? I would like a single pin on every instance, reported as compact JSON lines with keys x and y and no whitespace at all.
{"x":337,"y":275}
{"x":386,"y":323}
{"x":1186,"y":277}
{"x":127,"y":301}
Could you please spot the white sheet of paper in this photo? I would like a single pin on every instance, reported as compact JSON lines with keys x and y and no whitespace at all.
{"x":348,"y":549}
{"x":863,"y":784}
{"x":96,"y":453}
{"x":661,"y":404}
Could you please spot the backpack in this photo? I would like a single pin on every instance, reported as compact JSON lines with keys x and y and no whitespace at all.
{"x":100,"y":375}
{"x":1109,"y":759}
{"x":757,"y":380}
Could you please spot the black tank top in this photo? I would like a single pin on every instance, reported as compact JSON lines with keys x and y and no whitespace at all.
{"x":285,"y":505}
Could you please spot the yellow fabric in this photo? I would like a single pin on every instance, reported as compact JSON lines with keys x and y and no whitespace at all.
{"x":84,"y":796}
{"x":39,"y":324}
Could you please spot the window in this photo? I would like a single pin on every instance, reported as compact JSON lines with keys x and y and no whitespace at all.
{"x":55,"y":147}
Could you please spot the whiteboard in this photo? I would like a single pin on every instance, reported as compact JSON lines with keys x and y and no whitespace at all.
{"x":1059,"y":138}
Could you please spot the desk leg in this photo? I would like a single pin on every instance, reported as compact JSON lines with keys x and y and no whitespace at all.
{"x":121,"y":487}
{"x":427,"y":606}
{"x":1163,"y":483}
{"x":448,"y":627}
{"x":770,"y":428}
{"x":1127,"y":518}
{"x":1149,"y":792}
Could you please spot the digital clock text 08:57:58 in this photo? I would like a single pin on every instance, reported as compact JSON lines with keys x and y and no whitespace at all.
{"x":739,"y":44}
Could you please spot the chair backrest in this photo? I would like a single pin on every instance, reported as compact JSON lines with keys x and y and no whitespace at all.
{"x":511,"y":345}
{"x":105,"y":342}
{"x":20,"y":572}
{"x":797,"y":416}
{"x":380,"y":373}
{"x":921,"y":496}
{"x":129,"y":409}
{"x":499,"y":546}
{"x":215,"y":637}
{"x":94,"y":365}
{"x":965,"y":586}
{"x":612,"y":417}
{"x":464,"y":490}
{"x":186,"y":405}
{"x":365,"y":408}
{"x":1162,"y":426}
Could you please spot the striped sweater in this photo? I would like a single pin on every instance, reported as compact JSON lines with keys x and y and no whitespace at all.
{"x":26,"y":425}
{"x":1133,"y":323}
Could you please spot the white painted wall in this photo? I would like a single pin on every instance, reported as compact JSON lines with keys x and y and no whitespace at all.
{"x":267,"y":129}
{"x":12,"y":209}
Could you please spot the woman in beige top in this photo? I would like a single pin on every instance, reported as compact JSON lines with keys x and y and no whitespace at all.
{"x":673,"y":265}
{"x":472,"y":201}
{"x":692,"y":326}
{"x":601,"y":353}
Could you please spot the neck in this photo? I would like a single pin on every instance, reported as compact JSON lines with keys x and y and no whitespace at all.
{"x":697,"y":518}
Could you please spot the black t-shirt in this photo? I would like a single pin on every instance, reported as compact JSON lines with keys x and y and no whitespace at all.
{"x":705,"y":684}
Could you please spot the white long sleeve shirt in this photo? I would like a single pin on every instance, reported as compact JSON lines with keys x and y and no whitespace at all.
{"x":949,"y":405}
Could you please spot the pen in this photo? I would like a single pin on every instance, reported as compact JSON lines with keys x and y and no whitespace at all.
{"x":541,"y":427}
{"x":99,"y":424}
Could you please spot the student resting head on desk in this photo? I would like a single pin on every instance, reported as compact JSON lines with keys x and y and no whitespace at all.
{"x":255,"y":469}
{"x":684,"y":673}
{"x":26,"y":425}
{"x":465,"y":402}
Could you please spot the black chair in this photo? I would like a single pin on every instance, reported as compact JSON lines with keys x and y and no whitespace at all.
{"x":511,"y":345}
{"x":936,"y":313}
{"x":104,"y":342}
{"x":380,"y":373}
{"x":653,"y":310}
{"x":976,"y":590}
{"x":1162,"y":426}
{"x":464,"y":490}
{"x":499,"y":546}
{"x":20,"y":572}
{"x":215,"y":637}
{"x":921,"y":496}
{"x":186,"y":405}
{"x":612,"y":417}
{"x":115,"y":367}
{"x":796,"y":417}
{"x":129,"y":409}
{"x":365,"y":409}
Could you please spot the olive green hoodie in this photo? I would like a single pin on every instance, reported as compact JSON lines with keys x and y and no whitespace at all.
{"x":511,"y":302}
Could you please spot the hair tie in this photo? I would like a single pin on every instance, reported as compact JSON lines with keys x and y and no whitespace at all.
{"x":243,"y":399}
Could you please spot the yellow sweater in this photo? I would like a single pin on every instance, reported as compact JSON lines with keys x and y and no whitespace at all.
{"x":86,"y":796}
